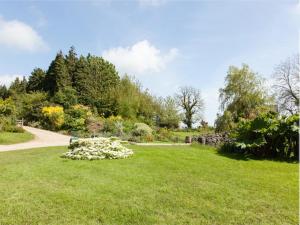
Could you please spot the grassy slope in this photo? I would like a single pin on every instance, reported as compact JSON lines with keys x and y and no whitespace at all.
{"x":158,"y":185}
{"x":13,"y":138}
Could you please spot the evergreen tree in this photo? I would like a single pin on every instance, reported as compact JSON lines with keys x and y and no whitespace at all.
{"x":57,"y":76}
{"x":95,"y":81}
{"x":3,"y":92}
{"x":71,"y":60}
{"x":18,"y":86}
{"x":36,"y":81}
{"x":81,"y":81}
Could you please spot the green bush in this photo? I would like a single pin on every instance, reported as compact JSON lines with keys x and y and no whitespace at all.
{"x":76,"y":117}
{"x":163,"y":134}
{"x":268,"y":135}
{"x":143,"y":131}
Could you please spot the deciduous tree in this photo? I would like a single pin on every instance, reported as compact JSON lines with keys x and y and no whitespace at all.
{"x":190,"y":101}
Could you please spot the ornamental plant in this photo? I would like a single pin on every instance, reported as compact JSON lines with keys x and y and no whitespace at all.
{"x":53,"y":116}
{"x":268,"y":135}
{"x":97,"y":148}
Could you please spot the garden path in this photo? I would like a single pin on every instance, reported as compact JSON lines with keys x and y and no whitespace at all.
{"x":42,"y":138}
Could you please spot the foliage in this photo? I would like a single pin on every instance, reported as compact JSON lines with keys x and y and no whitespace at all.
{"x":76,"y":117}
{"x":57,"y":77}
{"x":141,"y":129}
{"x":18,"y":86}
{"x":7,"y":107}
{"x":36,"y":81}
{"x":143,"y":132}
{"x":97,"y":148}
{"x":8,"y":115}
{"x":268,"y":135}
{"x":168,"y":115}
{"x":4,"y":93}
{"x":190,"y":101}
{"x":135,"y":103}
{"x":243,"y":92}
{"x":53,"y":116}
{"x":95,"y":80}
{"x":224,"y":122}
{"x":66,"y":97}
{"x":31,"y":105}
{"x":244,"y":96}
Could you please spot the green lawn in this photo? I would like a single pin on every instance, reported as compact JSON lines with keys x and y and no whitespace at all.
{"x":13,"y":138}
{"x":158,"y":185}
{"x":182,"y":134}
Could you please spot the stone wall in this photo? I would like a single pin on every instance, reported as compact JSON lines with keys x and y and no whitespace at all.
{"x":211,"y":139}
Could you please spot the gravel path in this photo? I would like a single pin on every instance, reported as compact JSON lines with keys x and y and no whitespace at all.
{"x":43,"y":138}
{"x":161,"y":144}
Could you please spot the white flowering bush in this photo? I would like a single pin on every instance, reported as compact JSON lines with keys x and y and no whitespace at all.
{"x":97,"y":148}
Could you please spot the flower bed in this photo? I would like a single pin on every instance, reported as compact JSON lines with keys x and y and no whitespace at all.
{"x":97,"y":148}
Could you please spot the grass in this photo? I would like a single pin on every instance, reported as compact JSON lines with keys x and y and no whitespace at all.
{"x":158,"y":185}
{"x":14,"y":138}
{"x":184,"y":133}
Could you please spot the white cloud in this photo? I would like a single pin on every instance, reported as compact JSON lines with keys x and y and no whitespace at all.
{"x":6,"y":79}
{"x":140,"y":58}
{"x":17,"y":34}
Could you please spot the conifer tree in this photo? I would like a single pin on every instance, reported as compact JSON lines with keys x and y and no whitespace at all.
{"x":37,"y":80}
{"x":71,"y":60}
{"x":57,"y":76}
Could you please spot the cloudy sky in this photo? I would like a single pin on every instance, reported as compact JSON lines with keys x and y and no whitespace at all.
{"x":164,"y":44}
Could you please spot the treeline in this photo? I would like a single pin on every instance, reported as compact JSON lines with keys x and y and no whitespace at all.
{"x":90,"y":81}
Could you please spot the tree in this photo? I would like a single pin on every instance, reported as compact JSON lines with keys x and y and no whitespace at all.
{"x":57,"y":76}
{"x":36,"y":81}
{"x":287,"y":86}
{"x":190,"y":101}
{"x":18,"y":86}
{"x":3,"y":92}
{"x":31,"y":105}
{"x":243,"y":93}
{"x":168,"y":116}
{"x":66,"y":97}
{"x":224,"y":122}
{"x":71,"y":61}
{"x":96,"y":80}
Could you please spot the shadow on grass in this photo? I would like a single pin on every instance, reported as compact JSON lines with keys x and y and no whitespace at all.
{"x":247,"y":157}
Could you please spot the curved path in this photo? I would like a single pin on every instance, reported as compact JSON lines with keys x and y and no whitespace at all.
{"x":42,"y":138}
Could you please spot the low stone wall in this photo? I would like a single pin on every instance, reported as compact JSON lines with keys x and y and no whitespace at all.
{"x":212,"y":139}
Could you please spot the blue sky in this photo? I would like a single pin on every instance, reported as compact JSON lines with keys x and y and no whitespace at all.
{"x":164,"y":44}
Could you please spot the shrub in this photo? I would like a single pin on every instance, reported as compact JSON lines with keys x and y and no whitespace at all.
{"x":163,"y":134}
{"x":268,"y":135}
{"x":53,"y":116}
{"x":97,"y":148}
{"x":76,"y":116}
{"x":94,"y":124}
{"x":110,"y":123}
{"x":141,"y":129}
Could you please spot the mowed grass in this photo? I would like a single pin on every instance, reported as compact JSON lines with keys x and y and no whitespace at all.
{"x":158,"y":185}
{"x":7,"y":138}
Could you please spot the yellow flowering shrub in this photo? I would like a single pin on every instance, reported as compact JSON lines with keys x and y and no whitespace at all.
{"x":54,"y":116}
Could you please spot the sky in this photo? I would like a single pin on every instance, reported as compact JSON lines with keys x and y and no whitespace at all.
{"x":164,"y":44}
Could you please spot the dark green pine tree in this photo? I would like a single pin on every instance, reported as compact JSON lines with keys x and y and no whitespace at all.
{"x":18,"y":86}
{"x":82,"y":80}
{"x":36,"y":81}
{"x":71,"y":60}
{"x":3,"y":92}
{"x":104,"y":79}
{"x":57,"y":76}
